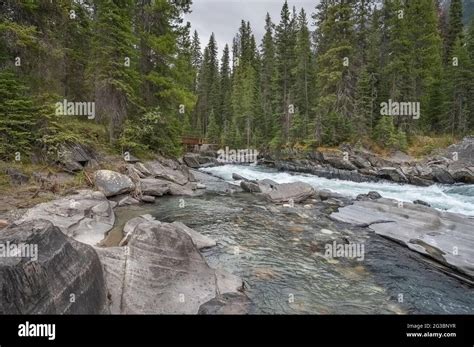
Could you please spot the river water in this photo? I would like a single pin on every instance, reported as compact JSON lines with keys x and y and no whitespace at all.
{"x":279,"y":251}
{"x":457,"y":199}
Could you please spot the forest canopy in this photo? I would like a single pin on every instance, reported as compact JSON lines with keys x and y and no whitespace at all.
{"x":151,"y":81}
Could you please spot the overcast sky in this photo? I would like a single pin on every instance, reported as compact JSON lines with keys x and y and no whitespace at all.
{"x":223,"y":17}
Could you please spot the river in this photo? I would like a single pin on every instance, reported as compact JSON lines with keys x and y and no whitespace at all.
{"x":278,"y":251}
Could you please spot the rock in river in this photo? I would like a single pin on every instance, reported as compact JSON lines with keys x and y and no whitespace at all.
{"x":279,"y":193}
{"x":446,"y":237}
{"x":85,"y":216}
{"x":161,"y":271}
{"x":63,"y":267}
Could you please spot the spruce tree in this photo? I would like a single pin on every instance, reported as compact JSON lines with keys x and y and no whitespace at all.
{"x":113,"y":65}
{"x":335,"y":82}
{"x":196,"y":57}
{"x":459,"y":88}
{"x":455,"y":27}
{"x":285,"y":38}
{"x":225,"y":97}
{"x":304,"y":86}
{"x":268,"y":82}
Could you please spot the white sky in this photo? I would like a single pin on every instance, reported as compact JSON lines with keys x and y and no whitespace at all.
{"x":223,"y":17}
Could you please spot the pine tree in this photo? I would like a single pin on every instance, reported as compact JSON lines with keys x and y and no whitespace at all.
{"x":208,"y":85}
{"x":17,"y":117}
{"x":285,"y":38}
{"x":335,"y":82}
{"x":268,"y":82}
{"x":225,"y":99}
{"x":196,"y":57}
{"x":459,"y":88}
{"x":427,"y":54}
{"x":455,"y":27}
{"x":470,"y":40}
{"x":304,"y":87}
{"x":115,"y":83}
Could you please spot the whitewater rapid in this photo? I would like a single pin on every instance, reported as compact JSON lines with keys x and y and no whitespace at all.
{"x":451,"y":198}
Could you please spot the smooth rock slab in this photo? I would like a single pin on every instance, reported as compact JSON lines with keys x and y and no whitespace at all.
{"x":446,"y":237}
{"x":199,"y":240}
{"x":154,"y":187}
{"x":296,"y":191}
{"x":85,"y":216}
{"x":44,"y":286}
{"x":159,"y":170}
{"x":159,"y":187}
{"x":160,"y":271}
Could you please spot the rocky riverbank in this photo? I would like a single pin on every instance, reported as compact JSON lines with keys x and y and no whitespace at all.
{"x":156,"y":268}
{"x":454,"y":164}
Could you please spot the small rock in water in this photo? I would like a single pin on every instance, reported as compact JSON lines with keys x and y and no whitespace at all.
{"x":128,"y":200}
{"x":296,"y":229}
{"x":421,"y":202}
{"x":3,"y":223}
{"x":200,"y":186}
{"x":372,"y":195}
{"x":308,"y":206}
{"x":332,"y":261}
{"x":327,"y":232}
{"x":148,"y":199}
{"x":238,"y":177}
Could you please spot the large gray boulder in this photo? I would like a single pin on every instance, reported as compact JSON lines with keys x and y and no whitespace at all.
{"x":360,"y":162}
{"x":160,"y":271}
{"x":215,"y":184}
{"x":159,"y":187}
{"x":86,"y":216}
{"x":279,"y":193}
{"x":154,"y":187}
{"x":250,"y":186}
{"x":199,"y":240}
{"x":159,"y":170}
{"x":339,"y":163}
{"x":463,"y":175}
{"x":447,"y":238}
{"x":112,"y":183}
{"x":66,"y":277}
{"x":442,"y":175}
{"x":393,"y":174}
{"x":75,"y":156}
{"x":192,"y":160}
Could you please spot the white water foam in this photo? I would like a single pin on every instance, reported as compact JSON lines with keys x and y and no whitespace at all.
{"x":456,"y":199}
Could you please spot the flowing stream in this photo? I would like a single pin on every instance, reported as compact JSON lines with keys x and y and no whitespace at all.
{"x":457,"y":199}
{"x":279,"y":251}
